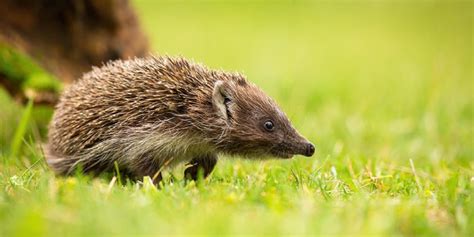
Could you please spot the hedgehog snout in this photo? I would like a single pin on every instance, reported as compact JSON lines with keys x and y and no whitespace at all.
{"x":304,"y":147}
{"x":309,"y":151}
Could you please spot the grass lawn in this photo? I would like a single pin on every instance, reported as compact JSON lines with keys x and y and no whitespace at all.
{"x":384,"y":89}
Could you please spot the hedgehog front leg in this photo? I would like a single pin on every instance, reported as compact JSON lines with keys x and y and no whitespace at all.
{"x":205,"y":163}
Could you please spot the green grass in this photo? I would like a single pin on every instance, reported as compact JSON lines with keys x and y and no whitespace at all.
{"x":24,"y":72}
{"x":384,"y":90}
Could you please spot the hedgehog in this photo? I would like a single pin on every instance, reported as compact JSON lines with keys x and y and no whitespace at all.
{"x":144,"y":114}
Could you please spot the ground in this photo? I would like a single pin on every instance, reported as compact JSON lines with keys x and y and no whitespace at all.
{"x":383,"y":89}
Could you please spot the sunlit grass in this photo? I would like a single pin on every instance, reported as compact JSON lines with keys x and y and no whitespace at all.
{"x":384,"y":90}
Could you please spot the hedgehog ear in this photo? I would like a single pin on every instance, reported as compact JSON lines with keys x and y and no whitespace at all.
{"x":221,"y":100}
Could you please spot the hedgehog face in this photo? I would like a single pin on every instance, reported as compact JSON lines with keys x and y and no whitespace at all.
{"x":255,"y":125}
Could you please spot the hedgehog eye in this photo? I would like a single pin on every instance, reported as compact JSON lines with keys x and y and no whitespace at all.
{"x":268,"y":125}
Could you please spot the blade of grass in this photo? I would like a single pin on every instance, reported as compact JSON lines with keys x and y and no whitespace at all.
{"x":418,"y":184}
{"x":21,"y":130}
{"x":117,"y":170}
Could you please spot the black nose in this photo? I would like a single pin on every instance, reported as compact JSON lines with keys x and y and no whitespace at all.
{"x":309,"y":149}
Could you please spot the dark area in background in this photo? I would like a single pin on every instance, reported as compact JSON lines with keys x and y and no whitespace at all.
{"x":68,"y":37}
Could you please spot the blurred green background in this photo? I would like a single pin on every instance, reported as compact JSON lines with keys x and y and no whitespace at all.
{"x":384,"y":89}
